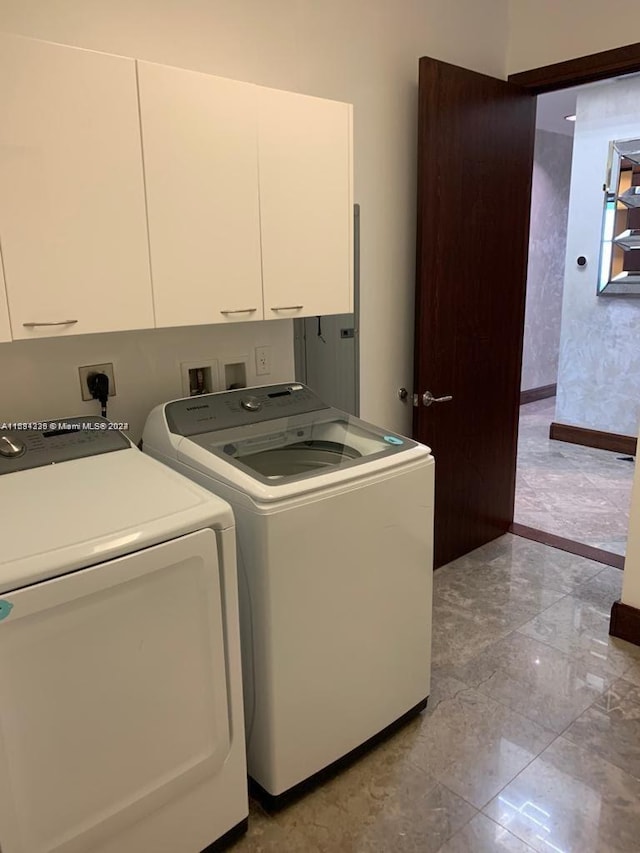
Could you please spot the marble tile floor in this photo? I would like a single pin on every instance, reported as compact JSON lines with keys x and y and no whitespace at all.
{"x":531,"y":740}
{"x":580,"y":493}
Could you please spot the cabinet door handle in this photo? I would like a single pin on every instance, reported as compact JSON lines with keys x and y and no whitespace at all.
{"x":57,"y":323}
{"x":240,"y":311}
{"x":288,"y":308}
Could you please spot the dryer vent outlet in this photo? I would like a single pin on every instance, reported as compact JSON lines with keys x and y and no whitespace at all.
{"x":235,"y":375}
{"x":200,"y":381}
{"x":199,"y":377}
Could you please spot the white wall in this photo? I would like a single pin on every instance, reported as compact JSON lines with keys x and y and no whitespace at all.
{"x":631,"y":581}
{"x":547,"y":245}
{"x":546,"y":31}
{"x":39,"y":379}
{"x":361,"y":51}
{"x":599,"y":371}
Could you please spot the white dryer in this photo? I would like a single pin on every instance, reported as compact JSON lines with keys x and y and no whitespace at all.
{"x":335,"y":528}
{"x":121,"y":724}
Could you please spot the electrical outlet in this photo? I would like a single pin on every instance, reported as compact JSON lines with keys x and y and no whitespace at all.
{"x":263,"y":361}
{"x":96,"y":368}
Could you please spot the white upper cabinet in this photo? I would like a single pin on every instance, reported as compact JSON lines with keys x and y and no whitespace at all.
{"x":5,"y":328}
{"x":200,"y":148}
{"x":72,"y":210}
{"x":155,"y":196}
{"x":306,"y":204}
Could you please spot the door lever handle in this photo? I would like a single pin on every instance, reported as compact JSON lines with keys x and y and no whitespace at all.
{"x":428,"y":399}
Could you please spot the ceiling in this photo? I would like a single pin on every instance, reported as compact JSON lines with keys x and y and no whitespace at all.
{"x":552,"y":109}
{"x":554,"y":106}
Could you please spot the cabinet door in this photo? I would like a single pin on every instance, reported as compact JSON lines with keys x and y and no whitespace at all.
{"x":72,"y":211}
{"x":5,"y":328}
{"x":200,"y":146}
{"x":305,"y":204}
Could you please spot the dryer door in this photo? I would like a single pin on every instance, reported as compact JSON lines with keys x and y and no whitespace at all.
{"x":113,"y":695}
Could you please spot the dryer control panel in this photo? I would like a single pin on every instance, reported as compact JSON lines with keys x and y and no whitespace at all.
{"x":32,"y":445}
{"x":229,"y":409}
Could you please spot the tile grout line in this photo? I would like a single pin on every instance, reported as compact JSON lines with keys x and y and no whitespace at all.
{"x":435,"y":779}
{"x":506,"y":785}
{"x":466,"y":822}
{"x":588,"y":749}
{"x":511,"y":710}
{"x":556,"y":649}
{"x":585,"y":749}
{"x":549,"y":645}
{"x":508,"y":831}
{"x":522,"y":714}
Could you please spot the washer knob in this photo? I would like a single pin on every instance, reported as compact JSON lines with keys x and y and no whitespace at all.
{"x":251,"y":404}
{"x":11,"y":447}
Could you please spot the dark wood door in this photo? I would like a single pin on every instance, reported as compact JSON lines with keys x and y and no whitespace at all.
{"x":475,"y":160}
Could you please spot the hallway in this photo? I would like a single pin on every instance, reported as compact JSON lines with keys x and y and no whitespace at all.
{"x":576,"y":492}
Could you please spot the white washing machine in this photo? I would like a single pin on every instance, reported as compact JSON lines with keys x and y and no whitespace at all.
{"x":335,"y":529}
{"x":121,"y":723}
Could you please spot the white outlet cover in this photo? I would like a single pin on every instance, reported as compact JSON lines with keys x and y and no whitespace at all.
{"x":210,"y":363}
{"x":263,"y":361}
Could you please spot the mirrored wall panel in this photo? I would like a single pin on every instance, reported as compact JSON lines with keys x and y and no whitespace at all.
{"x":620,"y":261}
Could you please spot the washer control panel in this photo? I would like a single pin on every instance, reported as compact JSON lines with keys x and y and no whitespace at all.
{"x":229,"y":409}
{"x":24,"y":446}
{"x":251,"y":404}
{"x":11,"y":447}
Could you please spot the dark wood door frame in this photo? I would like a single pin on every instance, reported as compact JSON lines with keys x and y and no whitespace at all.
{"x":577,"y":72}
{"x":553,"y":78}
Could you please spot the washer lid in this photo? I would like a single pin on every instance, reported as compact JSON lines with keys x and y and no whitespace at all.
{"x":59,"y":518}
{"x":297,"y":448}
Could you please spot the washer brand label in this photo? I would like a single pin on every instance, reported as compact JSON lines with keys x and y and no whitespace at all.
{"x":5,"y":609}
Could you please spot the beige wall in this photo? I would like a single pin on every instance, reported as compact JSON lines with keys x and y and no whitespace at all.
{"x":39,"y":379}
{"x":546,"y":31}
{"x":362,"y":51}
